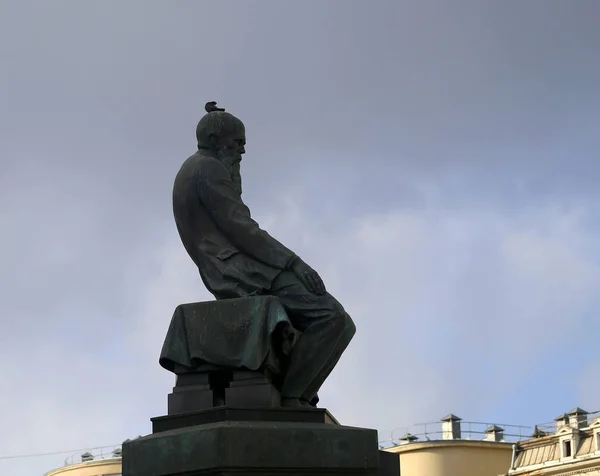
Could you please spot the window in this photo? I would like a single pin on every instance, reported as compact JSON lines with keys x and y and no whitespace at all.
{"x":597,"y":441}
{"x":566,"y":449}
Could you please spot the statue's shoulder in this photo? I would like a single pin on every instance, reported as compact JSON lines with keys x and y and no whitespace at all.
{"x":199,"y":163}
{"x":207,"y":166}
{"x":206,"y":161}
{"x":196,"y":169}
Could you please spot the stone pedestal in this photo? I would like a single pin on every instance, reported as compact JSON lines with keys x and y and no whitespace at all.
{"x":231,"y":441}
{"x":251,"y":333}
{"x":231,"y":352}
{"x":234,"y":388}
{"x":224,"y":415}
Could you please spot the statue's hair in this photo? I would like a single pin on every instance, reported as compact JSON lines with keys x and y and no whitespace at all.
{"x":215,"y":122}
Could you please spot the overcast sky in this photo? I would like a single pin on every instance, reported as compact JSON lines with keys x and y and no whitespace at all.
{"x":436,"y":162}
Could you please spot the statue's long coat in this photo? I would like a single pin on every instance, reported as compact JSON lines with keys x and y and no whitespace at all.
{"x":234,"y":255}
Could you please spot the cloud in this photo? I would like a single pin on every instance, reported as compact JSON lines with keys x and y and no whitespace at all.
{"x":449,"y":307}
{"x":453,"y":310}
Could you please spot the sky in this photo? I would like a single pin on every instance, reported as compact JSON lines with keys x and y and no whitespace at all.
{"x":436,"y":163}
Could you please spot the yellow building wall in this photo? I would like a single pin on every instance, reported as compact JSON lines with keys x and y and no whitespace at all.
{"x":454,"y":458}
{"x":566,"y":470}
{"x":91,"y":468}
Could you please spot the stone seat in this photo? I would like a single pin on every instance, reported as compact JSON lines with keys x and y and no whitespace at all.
{"x":227,"y":352}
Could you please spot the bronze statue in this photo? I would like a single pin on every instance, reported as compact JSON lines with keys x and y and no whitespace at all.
{"x":236,"y":258}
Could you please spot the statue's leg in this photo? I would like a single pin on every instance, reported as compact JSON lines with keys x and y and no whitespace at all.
{"x":326,"y":332}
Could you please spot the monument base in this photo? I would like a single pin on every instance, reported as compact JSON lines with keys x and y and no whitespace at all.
{"x":197,"y":391}
{"x":227,"y":413}
{"x":310,"y":442}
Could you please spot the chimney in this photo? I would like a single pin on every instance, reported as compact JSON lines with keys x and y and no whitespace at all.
{"x":451,"y":427}
{"x":578,"y":418}
{"x":537,"y":433}
{"x":408,"y":438}
{"x":494,"y":433}
{"x":561,"y":420}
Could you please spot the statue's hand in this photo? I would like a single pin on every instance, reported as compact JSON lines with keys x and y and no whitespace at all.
{"x":308,"y":276}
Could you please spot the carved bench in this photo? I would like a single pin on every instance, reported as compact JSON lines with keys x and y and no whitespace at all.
{"x":230,"y":352}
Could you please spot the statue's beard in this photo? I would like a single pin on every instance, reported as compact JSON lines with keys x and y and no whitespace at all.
{"x":228,"y":157}
{"x":232,"y":162}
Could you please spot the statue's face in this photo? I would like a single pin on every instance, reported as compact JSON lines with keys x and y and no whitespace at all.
{"x":231,"y":146}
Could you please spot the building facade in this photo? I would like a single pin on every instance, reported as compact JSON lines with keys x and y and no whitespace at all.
{"x":95,"y":463}
{"x":571,"y":448}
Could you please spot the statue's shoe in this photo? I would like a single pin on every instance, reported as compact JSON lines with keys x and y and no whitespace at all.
{"x":294,"y":402}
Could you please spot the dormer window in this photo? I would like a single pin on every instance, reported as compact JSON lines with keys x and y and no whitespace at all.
{"x":568,"y":438}
{"x":567,"y":450}
{"x":595,"y":427}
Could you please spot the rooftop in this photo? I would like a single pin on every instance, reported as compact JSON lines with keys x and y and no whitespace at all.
{"x":462,"y":430}
{"x":93,"y":455}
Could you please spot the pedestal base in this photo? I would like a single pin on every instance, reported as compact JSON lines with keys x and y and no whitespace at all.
{"x":226,"y":413}
{"x":229,"y":448}
{"x":196,"y":391}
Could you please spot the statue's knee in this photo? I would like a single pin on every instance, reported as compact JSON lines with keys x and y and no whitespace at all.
{"x":338,"y":313}
{"x":342,"y":319}
{"x":350,"y":327}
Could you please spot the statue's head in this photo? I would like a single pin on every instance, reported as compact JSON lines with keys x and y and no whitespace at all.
{"x":221,"y":133}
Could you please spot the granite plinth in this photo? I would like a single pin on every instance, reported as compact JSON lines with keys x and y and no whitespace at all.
{"x":221,"y":414}
{"x":236,"y":388}
{"x":262,"y":448}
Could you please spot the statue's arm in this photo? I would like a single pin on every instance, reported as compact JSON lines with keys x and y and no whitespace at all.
{"x":223,"y":202}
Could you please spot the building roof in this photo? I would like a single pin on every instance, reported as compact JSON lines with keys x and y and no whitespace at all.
{"x":493,"y":428}
{"x":451,"y":417}
{"x":537,"y":433}
{"x":577,"y":411}
{"x":409,"y":437}
{"x":546,"y":449}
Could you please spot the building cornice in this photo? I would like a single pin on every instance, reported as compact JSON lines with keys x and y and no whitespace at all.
{"x":587,"y":464}
{"x":86,"y":464}
{"x":425,"y":445}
